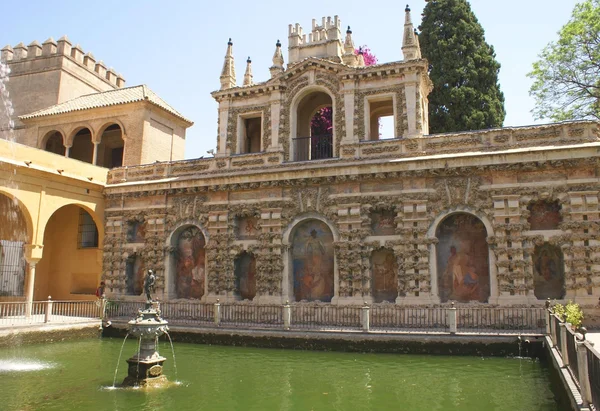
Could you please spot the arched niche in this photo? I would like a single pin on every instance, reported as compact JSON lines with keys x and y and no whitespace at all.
{"x":53,"y":142}
{"x":462,"y":254}
{"x":245,"y":275}
{"x":188,"y":262}
{"x":544,"y":215}
{"x":134,"y":275}
{"x":384,"y":271}
{"x":111,"y":147}
{"x":548,"y":272}
{"x":312,"y":260}
{"x":82,"y":148}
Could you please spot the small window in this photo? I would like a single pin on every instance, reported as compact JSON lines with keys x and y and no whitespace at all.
{"x":88,"y":233}
{"x":381,"y":119}
{"x":251,"y":136}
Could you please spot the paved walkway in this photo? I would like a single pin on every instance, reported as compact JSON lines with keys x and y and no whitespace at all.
{"x":594,"y":337}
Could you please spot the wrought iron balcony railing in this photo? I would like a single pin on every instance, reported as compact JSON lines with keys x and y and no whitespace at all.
{"x":313,"y":148}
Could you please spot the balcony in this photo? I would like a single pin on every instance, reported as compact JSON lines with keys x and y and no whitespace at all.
{"x":313,"y":148}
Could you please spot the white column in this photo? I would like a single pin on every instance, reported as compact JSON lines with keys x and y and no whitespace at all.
{"x":30,"y":288}
{"x":95,"y":155}
{"x":67,"y":151}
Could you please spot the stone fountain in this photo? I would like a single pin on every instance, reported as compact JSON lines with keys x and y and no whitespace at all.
{"x":146,"y":366}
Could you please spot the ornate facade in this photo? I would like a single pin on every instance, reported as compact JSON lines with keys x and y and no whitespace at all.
{"x":505,"y":216}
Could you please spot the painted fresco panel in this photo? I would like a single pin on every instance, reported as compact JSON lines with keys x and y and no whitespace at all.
{"x":312,"y":261}
{"x":544,"y":215}
{"x":245,"y":276}
{"x":462,"y":259}
{"x":189,"y":263}
{"x":382,"y":223}
{"x":136,"y":231}
{"x":548,"y":272}
{"x":247,"y":228}
{"x":134,"y":282}
{"x":384,"y":269}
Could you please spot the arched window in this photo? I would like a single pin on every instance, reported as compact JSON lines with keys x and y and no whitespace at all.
{"x":312,"y":261}
{"x":54,"y":143}
{"x":245,"y":275}
{"x":83,"y":148}
{"x":314,"y":127}
{"x":384,"y":270}
{"x":189,"y":263}
{"x":544,"y":215}
{"x":88,"y":232}
{"x":463,"y":259}
{"x":548,"y":272}
{"x":111,"y":147}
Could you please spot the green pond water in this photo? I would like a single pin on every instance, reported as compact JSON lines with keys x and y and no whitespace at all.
{"x":234,"y":378}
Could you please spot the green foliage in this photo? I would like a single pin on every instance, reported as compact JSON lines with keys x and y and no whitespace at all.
{"x":463,"y":67}
{"x":570,"y":313}
{"x":573,"y":314}
{"x":567,"y":75}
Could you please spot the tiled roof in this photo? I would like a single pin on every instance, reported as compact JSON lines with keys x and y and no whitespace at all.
{"x":107,"y":98}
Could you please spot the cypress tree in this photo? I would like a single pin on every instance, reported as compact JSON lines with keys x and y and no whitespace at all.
{"x":463,"y":67}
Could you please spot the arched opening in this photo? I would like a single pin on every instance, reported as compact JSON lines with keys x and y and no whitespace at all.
{"x":82,"y":148}
{"x":134,"y":275}
{"x":463,"y":267}
{"x":54,"y":143}
{"x":189,"y":253}
{"x":111,"y":147}
{"x":314,"y":127}
{"x":245,"y":275}
{"x":544,"y":215}
{"x":71,"y":265}
{"x":548,"y":272}
{"x":13,"y":237}
{"x":384,"y":269}
{"x":312,"y":261}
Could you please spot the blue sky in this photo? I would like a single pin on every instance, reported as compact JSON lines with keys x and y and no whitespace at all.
{"x":177,"y":47}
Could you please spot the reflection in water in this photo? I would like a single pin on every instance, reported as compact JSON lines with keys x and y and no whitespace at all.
{"x":235,"y":378}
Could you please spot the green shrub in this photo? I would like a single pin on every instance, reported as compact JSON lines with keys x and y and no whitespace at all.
{"x":573,"y":315}
{"x":559,"y":310}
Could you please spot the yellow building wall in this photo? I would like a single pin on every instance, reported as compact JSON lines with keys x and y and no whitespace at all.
{"x":66,"y":272}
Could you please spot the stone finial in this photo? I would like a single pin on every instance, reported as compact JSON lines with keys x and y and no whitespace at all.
{"x":349,"y":56}
{"x":410,"y":44}
{"x":77,"y":53}
{"x":89,"y":61}
{"x":418,"y":44}
{"x":361,"y":58}
{"x":7,"y":53}
{"x":228,"y":72}
{"x":49,"y":47}
{"x":277,"y":67}
{"x":20,"y":52}
{"x":248,"y":79}
{"x":34,"y":49}
{"x":64,"y":46}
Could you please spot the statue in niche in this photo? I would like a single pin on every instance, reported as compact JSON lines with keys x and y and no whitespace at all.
{"x":245,"y":273}
{"x":465,"y":280}
{"x":385,"y":287}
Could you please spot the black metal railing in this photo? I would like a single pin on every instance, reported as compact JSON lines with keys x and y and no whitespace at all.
{"x":12,"y":268}
{"x":393,"y":317}
{"x":268,"y":316}
{"x":593,"y":358}
{"x":313,"y":147}
{"x":496,"y":319}
{"x":325,"y":316}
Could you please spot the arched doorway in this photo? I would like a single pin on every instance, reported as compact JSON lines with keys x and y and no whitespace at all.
{"x":82,"y":148}
{"x":313,"y":134}
{"x":71,"y":265}
{"x":54,"y":143}
{"x":134,"y":275}
{"x":312,"y":261}
{"x":111,"y":147}
{"x":463,"y":267}
{"x":245,"y":275}
{"x":384,"y":269}
{"x":548,"y":272}
{"x":13,"y":237}
{"x":188,"y":262}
